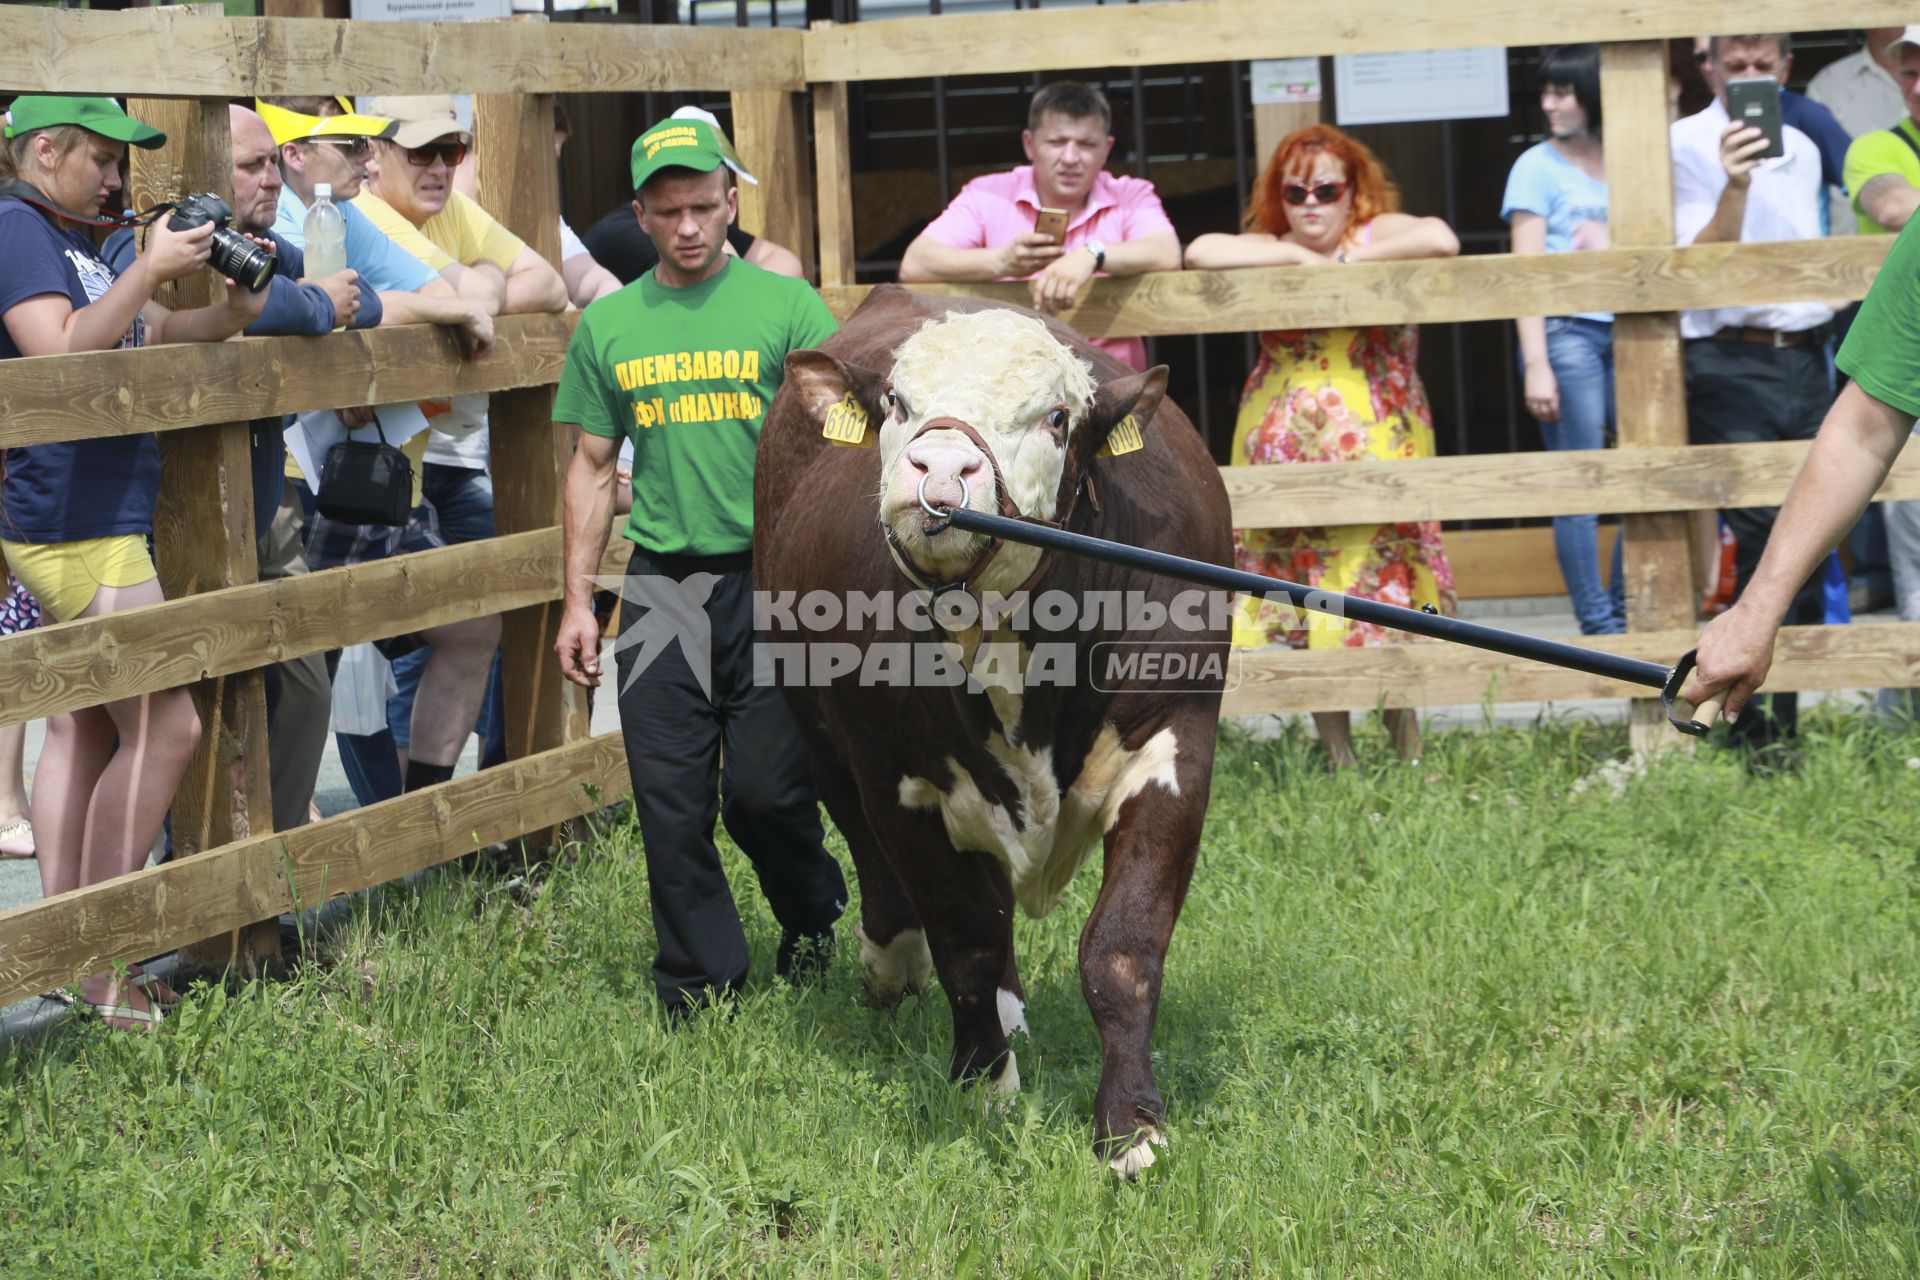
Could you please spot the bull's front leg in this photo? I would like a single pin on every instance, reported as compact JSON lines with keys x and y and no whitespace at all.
{"x":966,"y":904}
{"x":1150,"y":853}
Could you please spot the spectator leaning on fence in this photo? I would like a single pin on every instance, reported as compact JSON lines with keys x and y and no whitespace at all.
{"x":1115,"y":226}
{"x":685,"y":364}
{"x":1754,"y":373}
{"x":297,"y":689}
{"x":620,"y":244}
{"x":1335,"y":395}
{"x":1556,"y":201}
{"x":417,"y":162}
{"x":321,"y":140}
{"x":427,"y":217}
{"x":74,"y":518}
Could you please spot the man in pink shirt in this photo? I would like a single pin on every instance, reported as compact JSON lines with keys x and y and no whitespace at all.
{"x":1115,"y":226}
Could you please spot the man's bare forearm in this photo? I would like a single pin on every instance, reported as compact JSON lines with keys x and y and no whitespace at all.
{"x":420,"y":308}
{"x":589,"y":516}
{"x":1855,"y":449}
{"x":930,"y":260}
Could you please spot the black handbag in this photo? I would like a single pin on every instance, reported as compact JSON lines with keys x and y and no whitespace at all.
{"x":364,"y":482}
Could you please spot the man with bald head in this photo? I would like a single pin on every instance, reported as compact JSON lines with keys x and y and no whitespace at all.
{"x":299,"y":693}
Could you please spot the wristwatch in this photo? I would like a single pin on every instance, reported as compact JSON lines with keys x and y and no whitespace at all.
{"x":1099,"y":252}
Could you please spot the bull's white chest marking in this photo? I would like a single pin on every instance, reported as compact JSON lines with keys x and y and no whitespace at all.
{"x":1060,"y":829}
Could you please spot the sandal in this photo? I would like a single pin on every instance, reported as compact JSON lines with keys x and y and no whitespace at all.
{"x":122,"y":1017}
{"x":16,"y":839}
{"x":158,"y":993}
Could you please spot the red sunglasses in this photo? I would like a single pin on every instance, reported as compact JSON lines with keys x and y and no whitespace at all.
{"x":452,"y":152}
{"x":1325,"y":193}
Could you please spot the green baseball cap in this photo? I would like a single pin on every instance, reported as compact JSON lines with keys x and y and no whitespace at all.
{"x":98,"y":115}
{"x":685,"y":140}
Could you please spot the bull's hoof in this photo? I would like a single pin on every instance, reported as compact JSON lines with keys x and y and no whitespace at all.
{"x":895,"y":971}
{"x":1140,"y":1156}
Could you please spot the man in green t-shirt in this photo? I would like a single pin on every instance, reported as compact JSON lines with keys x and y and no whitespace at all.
{"x":1883,"y":167}
{"x":684,"y":362}
{"x":1862,"y":435}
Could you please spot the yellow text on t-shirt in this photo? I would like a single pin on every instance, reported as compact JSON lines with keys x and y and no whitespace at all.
{"x":699,"y":406}
{"x":685,"y":366}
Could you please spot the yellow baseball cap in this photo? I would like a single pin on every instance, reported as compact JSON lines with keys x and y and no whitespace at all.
{"x":293,"y":126}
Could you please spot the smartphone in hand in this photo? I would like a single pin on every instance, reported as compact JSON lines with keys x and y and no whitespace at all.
{"x":1052,"y":223}
{"x":1756,"y":103}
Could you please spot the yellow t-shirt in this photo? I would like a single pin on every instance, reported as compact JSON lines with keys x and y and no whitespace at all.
{"x":1880,"y":152}
{"x":462,"y":233}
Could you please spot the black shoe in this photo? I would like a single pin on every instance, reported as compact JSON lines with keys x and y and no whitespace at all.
{"x":803,"y":957}
{"x":1772,"y":760}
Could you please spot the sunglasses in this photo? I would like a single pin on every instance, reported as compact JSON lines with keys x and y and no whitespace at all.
{"x":452,"y":152}
{"x":352,"y":146}
{"x":1325,"y":193}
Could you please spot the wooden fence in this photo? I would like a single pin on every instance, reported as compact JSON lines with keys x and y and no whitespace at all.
{"x":220,"y":625}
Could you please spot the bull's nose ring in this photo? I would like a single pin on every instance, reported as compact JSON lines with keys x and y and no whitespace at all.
{"x":941,"y":519}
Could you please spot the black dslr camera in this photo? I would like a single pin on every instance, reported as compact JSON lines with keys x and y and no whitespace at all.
{"x":234,"y":256}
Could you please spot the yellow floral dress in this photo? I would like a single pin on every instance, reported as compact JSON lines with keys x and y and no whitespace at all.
{"x":1338,"y":395}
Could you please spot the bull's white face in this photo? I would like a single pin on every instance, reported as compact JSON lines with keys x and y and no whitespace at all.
{"x":1008,"y":378}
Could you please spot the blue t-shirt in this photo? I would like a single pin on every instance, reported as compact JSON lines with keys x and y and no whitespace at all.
{"x":1573,"y":202}
{"x":293,"y":309}
{"x":383,"y":265}
{"x":95,"y":488}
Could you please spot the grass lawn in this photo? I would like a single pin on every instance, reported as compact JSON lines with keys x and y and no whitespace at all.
{"x":1478,"y":1016}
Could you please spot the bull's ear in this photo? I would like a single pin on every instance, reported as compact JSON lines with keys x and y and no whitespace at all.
{"x":1121,"y":410}
{"x":843,"y":398}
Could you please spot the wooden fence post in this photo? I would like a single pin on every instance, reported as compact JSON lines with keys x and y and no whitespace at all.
{"x":770,"y":137}
{"x":203,"y":537}
{"x":517,"y":180}
{"x":833,"y":180}
{"x":1650,"y":391}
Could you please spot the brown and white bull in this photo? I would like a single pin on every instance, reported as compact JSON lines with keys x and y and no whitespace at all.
{"x":959,"y":802}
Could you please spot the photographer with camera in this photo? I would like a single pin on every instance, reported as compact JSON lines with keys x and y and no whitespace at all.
{"x":75,"y":517}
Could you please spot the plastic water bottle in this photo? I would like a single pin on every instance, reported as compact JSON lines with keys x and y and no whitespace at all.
{"x":326,"y":235}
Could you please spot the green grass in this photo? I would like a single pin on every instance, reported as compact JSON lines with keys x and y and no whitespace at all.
{"x":1458,"y":1019}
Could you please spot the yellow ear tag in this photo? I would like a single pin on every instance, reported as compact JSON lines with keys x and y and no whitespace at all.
{"x":1124,"y":438}
{"x":846,"y":424}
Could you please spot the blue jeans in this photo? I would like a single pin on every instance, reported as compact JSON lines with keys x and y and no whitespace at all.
{"x":464,"y":499}
{"x":1581,"y":353}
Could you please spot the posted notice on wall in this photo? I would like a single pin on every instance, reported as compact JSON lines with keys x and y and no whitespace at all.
{"x":1423,"y":84}
{"x":431,"y":10}
{"x":1283,"y":80}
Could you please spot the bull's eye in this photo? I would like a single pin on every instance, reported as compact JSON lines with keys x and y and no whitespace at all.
{"x":892,"y":402}
{"x":1058,"y":421}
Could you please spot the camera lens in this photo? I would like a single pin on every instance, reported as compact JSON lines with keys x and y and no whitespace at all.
{"x":233,"y":256}
{"x":241,"y":259}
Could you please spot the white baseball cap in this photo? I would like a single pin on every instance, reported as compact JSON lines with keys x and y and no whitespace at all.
{"x":1908,"y":35}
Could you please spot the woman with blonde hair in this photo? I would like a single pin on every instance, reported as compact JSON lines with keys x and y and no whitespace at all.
{"x":1334,"y":395}
{"x":75,"y":517}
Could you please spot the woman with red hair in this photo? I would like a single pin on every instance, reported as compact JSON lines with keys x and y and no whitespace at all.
{"x":1334,"y":395}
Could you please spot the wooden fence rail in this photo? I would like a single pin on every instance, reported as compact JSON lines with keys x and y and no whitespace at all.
{"x":196,"y":394}
{"x":1153,"y":35}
